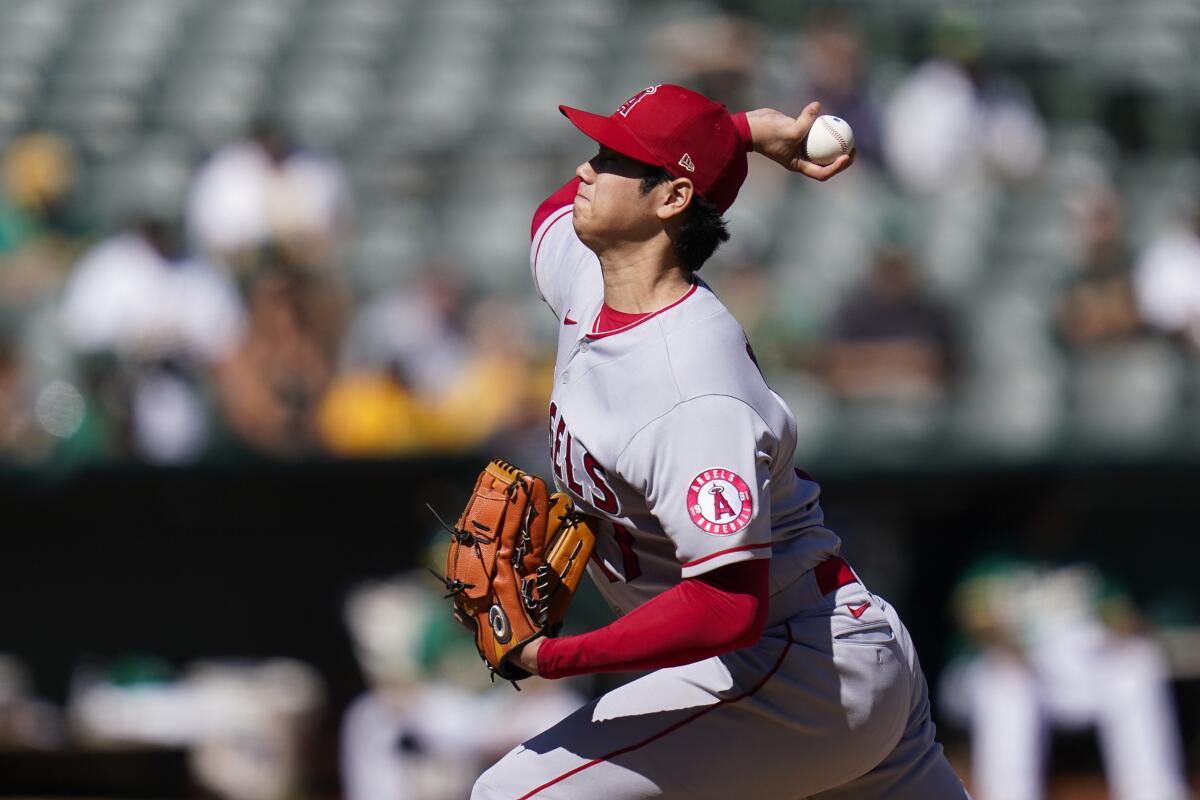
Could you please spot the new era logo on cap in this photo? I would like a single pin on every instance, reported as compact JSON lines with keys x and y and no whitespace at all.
{"x":671,"y":120}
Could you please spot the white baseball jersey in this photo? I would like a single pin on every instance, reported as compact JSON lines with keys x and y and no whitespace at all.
{"x":667,"y":430}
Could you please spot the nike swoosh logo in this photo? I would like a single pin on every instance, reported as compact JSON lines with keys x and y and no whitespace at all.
{"x":858,"y":612}
{"x":567,"y":319}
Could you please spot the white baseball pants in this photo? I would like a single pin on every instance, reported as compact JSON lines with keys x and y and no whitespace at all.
{"x":830,"y":704}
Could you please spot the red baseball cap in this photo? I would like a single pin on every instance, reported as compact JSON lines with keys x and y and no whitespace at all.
{"x":680,"y":130}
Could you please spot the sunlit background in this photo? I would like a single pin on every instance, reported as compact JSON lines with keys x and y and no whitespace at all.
{"x":264,"y":294}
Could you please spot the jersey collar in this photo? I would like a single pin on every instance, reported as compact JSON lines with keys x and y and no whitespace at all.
{"x":593,"y":335}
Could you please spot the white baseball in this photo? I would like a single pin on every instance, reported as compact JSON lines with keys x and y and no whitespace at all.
{"x":828,"y":138}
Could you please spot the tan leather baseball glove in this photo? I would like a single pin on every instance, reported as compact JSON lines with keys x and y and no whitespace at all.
{"x":516,"y":557}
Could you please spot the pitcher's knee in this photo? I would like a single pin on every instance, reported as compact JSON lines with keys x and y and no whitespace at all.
{"x":493,"y":785}
{"x":482,"y":790}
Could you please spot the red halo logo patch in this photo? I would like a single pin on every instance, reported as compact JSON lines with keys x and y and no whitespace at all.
{"x":719,"y":502}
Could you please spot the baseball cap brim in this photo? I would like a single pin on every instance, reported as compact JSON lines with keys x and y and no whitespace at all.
{"x":610,"y":133}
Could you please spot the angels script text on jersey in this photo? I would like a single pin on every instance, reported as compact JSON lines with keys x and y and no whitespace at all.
{"x":574,"y":465}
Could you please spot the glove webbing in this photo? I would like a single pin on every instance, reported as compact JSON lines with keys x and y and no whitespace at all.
{"x":466,"y":539}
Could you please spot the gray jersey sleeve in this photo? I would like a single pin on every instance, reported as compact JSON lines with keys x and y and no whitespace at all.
{"x":557,"y":259}
{"x":704,"y":469}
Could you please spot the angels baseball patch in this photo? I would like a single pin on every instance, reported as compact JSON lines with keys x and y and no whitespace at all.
{"x":719,"y":502}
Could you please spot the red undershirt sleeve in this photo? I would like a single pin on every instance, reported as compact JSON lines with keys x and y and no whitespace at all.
{"x":565,"y":196}
{"x":714,"y":613}
{"x":742,"y":125}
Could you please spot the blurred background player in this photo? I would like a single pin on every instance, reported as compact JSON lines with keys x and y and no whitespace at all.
{"x":1056,"y":645}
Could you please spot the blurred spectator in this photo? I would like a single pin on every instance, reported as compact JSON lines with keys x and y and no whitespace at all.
{"x":147,"y":322}
{"x":487,"y":386}
{"x":890,"y":340}
{"x":423,"y":368}
{"x":431,"y":722}
{"x":499,"y":387}
{"x":374,"y":414}
{"x":402,"y":353}
{"x":1125,"y":389}
{"x":1056,"y":646}
{"x":264,"y":192}
{"x":21,"y":439}
{"x":1167,"y":279}
{"x":271,"y":384}
{"x":834,"y":72}
{"x":955,"y":132}
{"x":417,"y":331}
{"x":36,"y":239}
{"x":952,"y":118}
{"x":1098,"y":305}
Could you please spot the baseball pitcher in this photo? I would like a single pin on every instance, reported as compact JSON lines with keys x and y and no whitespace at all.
{"x":773,"y":672}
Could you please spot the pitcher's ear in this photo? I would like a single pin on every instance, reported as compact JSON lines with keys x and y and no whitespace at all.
{"x":678,"y":199}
